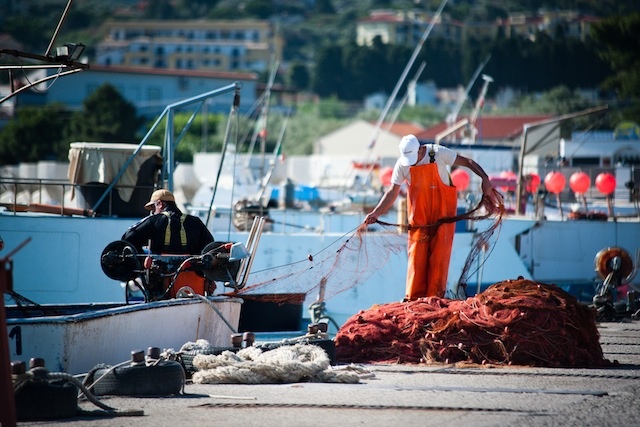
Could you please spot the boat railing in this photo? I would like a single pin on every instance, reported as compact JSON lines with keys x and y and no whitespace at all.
{"x":58,"y":196}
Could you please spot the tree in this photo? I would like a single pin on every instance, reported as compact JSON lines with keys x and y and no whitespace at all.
{"x":35,"y":133}
{"x":619,"y":44}
{"x":106,"y":117}
{"x":195,"y":139}
{"x":324,"y":6}
{"x":299,"y":76}
{"x":328,"y":72}
{"x":261,"y":9}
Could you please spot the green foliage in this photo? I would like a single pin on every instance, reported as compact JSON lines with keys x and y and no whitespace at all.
{"x":557,"y":101}
{"x":323,"y":58}
{"x":328,"y":72}
{"x":307,"y":125}
{"x":31,"y":32}
{"x":422,"y":115}
{"x":324,"y":6}
{"x":261,"y":9}
{"x":34,"y":134}
{"x":204,"y":134}
{"x":332,"y":107}
{"x":106,"y":117}
{"x":299,"y":77}
{"x":619,"y":44}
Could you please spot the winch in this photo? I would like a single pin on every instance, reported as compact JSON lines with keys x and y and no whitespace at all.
{"x":616,"y":267}
{"x":162,"y":276}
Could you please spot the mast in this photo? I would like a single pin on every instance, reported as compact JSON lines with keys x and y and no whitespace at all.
{"x":392,"y":98}
{"x":453,"y":116}
{"x":473,"y":131}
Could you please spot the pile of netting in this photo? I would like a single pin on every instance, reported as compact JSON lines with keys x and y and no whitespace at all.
{"x":515,"y":322}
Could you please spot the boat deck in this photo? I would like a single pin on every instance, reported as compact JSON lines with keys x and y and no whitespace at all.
{"x":413,"y":395}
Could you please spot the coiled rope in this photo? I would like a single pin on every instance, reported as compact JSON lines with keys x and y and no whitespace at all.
{"x":285,"y":364}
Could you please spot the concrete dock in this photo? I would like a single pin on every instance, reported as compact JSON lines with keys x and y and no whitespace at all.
{"x":408,"y":395}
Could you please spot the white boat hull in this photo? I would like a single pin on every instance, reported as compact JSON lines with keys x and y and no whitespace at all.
{"x":550,"y":251}
{"x":75,"y":343}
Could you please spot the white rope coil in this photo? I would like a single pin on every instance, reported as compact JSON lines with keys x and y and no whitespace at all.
{"x":285,"y":364}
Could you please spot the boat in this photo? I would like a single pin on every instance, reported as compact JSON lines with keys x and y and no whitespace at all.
{"x":74,"y":338}
{"x":542,"y":247}
{"x":68,"y":278}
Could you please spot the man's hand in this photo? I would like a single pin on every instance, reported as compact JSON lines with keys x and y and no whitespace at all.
{"x":494,"y":203}
{"x":371,"y":218}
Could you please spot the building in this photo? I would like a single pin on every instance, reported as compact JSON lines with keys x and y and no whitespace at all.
{"x":248,"y":45}
{"x":404,"y":27}
{"x":359,"y":139}
{"x":407,"y":27}
{"x":497,"y":143}
{"x":149,"y":90}
{"x":492,"y":130}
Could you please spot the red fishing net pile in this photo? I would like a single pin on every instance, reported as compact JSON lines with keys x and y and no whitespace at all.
{"x":517,"y":322}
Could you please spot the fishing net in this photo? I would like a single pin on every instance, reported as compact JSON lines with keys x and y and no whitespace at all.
{"x":339,"y":265}
{"x":515,"y":322}
{"x":352,"y":259}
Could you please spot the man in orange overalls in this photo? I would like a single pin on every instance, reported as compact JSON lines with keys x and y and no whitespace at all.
{"x":430,"y":197}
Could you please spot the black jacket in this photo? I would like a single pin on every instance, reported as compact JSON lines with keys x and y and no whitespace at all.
{"x":154,"y":228}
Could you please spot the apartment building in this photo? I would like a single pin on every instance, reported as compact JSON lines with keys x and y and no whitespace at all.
{"x":406,"y":27}
{"x":218,"y":45}
{"x":149,"y":90}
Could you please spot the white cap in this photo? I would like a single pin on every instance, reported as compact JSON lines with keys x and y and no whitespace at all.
{"x":409,"y":146}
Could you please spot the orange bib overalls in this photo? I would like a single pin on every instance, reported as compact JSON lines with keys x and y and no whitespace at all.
{"x":429,"y":248}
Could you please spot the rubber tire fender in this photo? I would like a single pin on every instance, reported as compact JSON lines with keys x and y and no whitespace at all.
{"x":165,"y":378}
{"x":188,"y":356}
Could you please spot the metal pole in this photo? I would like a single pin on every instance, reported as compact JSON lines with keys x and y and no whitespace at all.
{"x":416,"y":51}
{"x":55,"y":33}
{"x":171,"y":107}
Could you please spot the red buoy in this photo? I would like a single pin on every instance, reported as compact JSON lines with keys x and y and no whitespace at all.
{"x":554,"y":182}
{"x":460,"y":179}
{"x":385,"y":176}
{"x":606,"y":183}
{"x":533,"y":183}
{"x":580,"y":182}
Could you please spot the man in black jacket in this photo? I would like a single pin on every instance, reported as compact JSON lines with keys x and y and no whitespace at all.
{"x":168,"y":230}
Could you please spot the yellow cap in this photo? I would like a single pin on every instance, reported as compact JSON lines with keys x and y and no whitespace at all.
{"x":164,"y":195}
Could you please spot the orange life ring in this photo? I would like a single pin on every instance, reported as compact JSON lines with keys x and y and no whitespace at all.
{"x":603,"y":262}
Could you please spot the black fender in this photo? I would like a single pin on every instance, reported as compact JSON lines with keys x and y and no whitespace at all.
{"x":167,"y":377}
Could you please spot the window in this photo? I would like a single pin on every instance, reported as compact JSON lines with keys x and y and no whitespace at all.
{"x":587,"y":161}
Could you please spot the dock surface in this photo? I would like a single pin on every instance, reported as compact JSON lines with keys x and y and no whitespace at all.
{"x":408,"y":395}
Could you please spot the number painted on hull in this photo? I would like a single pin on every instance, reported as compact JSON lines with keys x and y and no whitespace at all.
{"x":16,"y":332}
